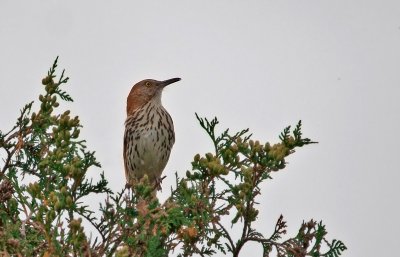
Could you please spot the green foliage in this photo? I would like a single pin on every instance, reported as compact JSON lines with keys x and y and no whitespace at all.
{"x":44,"y":182}
{"x":43,"y":178}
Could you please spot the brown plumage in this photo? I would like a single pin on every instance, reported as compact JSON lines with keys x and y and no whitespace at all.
{"x":149,"y":131}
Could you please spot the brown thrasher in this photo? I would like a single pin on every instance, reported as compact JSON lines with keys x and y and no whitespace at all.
{"x":149,"y":132}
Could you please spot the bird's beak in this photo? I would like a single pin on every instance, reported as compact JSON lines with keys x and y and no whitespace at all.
{"x":169,"y":81}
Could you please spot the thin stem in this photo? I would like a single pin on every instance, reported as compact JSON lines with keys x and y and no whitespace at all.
{"x":227,"y":236}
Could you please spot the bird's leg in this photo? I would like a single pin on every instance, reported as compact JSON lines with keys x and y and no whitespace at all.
{"x":128,"y":185}
{"x":157,"y":183}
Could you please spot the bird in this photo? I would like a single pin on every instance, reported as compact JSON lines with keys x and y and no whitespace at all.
{"x":149,"y":132}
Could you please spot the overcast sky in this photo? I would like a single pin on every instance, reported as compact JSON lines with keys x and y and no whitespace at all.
{"x":258,"y":64}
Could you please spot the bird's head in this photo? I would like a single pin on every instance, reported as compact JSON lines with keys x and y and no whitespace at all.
{"x":145,"y":91}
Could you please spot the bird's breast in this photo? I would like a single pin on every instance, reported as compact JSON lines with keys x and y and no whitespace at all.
{"x":150,"y":136}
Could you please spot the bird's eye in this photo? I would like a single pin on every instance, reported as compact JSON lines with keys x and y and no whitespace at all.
{"x":147,"y":84}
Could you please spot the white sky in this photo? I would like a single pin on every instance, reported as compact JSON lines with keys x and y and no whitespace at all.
{"x":262,"y":65}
